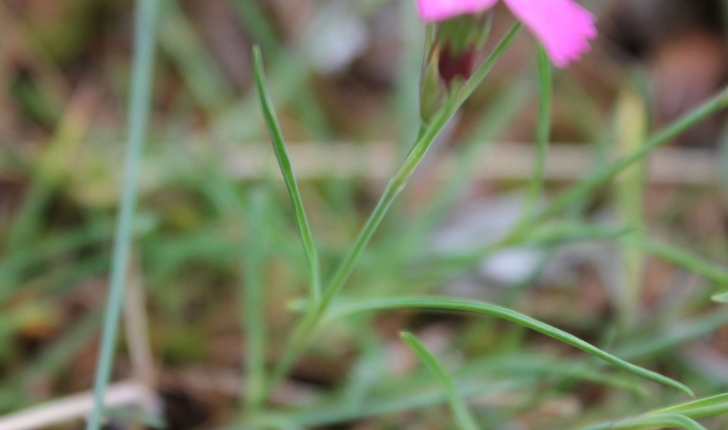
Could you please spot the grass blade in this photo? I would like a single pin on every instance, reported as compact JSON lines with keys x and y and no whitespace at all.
{"x":459,"y":408}
{"x":143,"y":62}
{"x":703,"y":408}
{"x":284,"y":162}
{"x":687,"y":412}
{"x":439,"y":303}
{"x":650,"y":422}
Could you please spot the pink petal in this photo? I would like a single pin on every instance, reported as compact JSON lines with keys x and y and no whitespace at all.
{"x":563,"y":26}
{"x":439,"y":10}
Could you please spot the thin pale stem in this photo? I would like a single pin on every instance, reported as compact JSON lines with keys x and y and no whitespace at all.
{"x":146,"y":14}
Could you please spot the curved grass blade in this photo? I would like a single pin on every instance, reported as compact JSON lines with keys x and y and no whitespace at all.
{"x":459,"y":408}
{"x":437,"y":303}
{"x":650,"y":422}
{"x":279,"y":146}
{"x":703,"y":408}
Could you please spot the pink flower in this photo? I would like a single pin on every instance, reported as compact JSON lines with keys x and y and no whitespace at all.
{"x":563,"y":26}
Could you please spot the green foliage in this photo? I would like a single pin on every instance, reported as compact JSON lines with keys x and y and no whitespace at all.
{"x":284,"y":162}
{"x":216,"y":250}
{"x":442,"y":303}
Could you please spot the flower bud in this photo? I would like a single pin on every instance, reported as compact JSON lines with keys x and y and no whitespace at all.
{"x":451,"y":59}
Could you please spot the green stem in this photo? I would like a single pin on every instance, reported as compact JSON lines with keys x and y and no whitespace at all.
{"x":144,"y":44}
{"x":310,"y":322}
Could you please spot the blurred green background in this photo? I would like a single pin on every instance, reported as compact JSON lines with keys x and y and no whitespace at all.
{"x":344,"y":76}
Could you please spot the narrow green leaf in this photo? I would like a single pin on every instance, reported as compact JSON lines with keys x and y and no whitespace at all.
{"x":702,"y":408}
{"x":674,"y":416}
{"x":459,"y":408}
{"x":291,"y":70}
{"x":680,"y":415}
{"x":650,"y":422}
{"x":284,"y":162}
{"x":438,"y":303}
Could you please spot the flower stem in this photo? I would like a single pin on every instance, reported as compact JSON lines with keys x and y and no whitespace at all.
{"x":310,"y":321}
{"x":427,"y":136}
